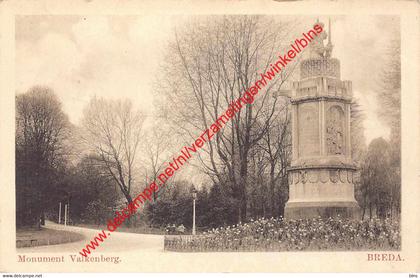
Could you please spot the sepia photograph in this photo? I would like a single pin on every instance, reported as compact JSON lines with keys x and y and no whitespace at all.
{"x":172,"y":135}
{"x":297,"y":168}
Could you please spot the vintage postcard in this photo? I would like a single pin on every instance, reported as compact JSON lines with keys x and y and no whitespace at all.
{"x":227,"y":136}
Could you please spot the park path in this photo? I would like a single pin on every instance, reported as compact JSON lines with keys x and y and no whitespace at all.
{"x":116,"y":242}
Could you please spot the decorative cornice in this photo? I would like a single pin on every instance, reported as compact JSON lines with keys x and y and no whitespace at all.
{"x":331,"y":166}
{"x":319,"y":98}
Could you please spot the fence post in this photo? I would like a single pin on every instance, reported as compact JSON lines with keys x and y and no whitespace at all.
{"x":65,"y":214}
{"x":59,"y":213}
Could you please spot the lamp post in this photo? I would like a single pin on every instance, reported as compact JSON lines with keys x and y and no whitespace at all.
{"x":194,"y":195}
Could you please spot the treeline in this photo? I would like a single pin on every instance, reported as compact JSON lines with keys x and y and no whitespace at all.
{"x":88,"y":168}
{"x":380,"y":192}
{"x":54,"y":164}
{"x":96,"y":167}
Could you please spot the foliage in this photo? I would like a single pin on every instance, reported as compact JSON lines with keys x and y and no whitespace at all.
{"x":380,"y":188}
{"x":41,"y":132}
{"x":97,"y":212}
{"x":94,"y":196}
{"x":174,"y":206}
{"x":277,"y":234}
{"x":389,"y":98}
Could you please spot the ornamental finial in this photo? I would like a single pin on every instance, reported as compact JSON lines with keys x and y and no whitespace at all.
{"x":329,"y":46}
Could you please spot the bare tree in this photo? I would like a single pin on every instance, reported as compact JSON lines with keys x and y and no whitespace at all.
{"x":389,"y":88}
{"x":277,"y":144}
{"x":156,"y":143}
{"x":211,"y":63}
{"x":113,"y":131}
{"x":358,"y":144}
{"x":389,"y":97}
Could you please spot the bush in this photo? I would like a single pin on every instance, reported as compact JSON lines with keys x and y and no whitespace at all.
{"x":97,"y":212}
{"x":295,"y":235}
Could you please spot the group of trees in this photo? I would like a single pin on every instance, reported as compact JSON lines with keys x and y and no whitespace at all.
{"x":96,"y":166}
{"x":90,"y":168}
{"x":41,"y":132}
{"x":211,"y":64}
{"x":381,"y":167}
{"x":174,"y":206}
{"x":381,"y":185}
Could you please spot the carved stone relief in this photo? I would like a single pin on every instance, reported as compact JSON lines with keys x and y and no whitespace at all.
{"x":296,"y":177}
{"x":321,"y":175}
{"x":308,"y":132}
{"x":324,"y":176}
{"x":335,"y":131}
{"x":303,"y":176}
{"x":313,"y":176}
{"x":349,"y":176}
{"x":334,"y":176}
{"x":343,"y":175}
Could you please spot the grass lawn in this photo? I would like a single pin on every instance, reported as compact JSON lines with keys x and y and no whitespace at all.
{"x":33,"y":237}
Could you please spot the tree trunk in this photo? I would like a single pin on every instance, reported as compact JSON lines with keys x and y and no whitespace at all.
{"x":129,"y":200}
{"x":43,"y":218}
{"x":38,"y":224}
{"x":242,"y":201}
{"x":365,"y":205}
{"x":272,"y":183}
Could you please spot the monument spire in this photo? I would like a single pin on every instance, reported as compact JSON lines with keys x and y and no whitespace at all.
{"x":329,"y":30}
{"x":329,"y":46}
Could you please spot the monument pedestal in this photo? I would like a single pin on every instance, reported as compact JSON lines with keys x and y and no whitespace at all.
{"x":324,"y":209}
{"x":321,"y":187}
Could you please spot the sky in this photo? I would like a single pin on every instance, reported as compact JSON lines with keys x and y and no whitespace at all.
{"x":119,"y":56}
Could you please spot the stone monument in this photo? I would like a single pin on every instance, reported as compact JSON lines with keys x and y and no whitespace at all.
{"x":322,"y":171}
